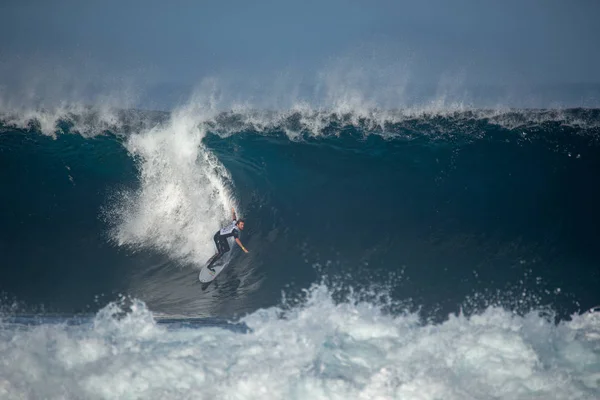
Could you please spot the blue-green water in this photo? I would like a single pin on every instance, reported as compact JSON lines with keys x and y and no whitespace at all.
{"x":411,"y":216}
{"x":437,"y":208}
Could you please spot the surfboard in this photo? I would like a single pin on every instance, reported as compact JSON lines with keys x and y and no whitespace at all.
{"x":206,"y":275}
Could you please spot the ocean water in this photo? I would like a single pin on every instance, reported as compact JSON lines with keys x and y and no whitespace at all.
{"x":422,"y":253}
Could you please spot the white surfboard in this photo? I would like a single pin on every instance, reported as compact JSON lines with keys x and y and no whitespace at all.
{"x":206,"y":275}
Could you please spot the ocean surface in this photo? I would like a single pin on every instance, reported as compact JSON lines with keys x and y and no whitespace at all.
{"x":431,"y":253}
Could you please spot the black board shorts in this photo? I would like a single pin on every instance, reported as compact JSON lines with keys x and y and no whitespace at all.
{"x":222,"y":243}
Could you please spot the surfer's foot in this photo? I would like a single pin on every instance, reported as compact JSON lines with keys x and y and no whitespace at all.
{"x":210,"y":267}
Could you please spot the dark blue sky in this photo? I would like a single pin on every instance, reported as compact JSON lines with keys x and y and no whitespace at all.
{"x":149,"y":42}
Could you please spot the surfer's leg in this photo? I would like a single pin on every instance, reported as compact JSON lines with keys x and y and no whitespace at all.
{"x":212,"y":260}
{"x":218,"y":255}
{"x":216,"y":239}
{"x":222,"y":248}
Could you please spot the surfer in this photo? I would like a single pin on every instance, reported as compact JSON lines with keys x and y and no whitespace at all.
{"x":233,"y":229}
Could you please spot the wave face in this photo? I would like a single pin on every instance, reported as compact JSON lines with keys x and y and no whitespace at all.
{"x":448,"y":208}
{"x":421,"y":253}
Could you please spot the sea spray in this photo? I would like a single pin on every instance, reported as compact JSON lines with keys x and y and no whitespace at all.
{"x":319,"y":348}
{"x":184,"y":192}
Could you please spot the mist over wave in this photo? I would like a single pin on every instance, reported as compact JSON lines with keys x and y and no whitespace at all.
{"x":347,"y":92}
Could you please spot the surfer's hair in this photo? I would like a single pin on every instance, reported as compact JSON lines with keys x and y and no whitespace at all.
{"x":239,"y":221}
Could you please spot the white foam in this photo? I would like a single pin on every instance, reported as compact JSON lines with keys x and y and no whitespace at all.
{"x":184,"y":194}
{"x":320,"y":350}
{"x":45,"y":111}
{"x":368,"y":96}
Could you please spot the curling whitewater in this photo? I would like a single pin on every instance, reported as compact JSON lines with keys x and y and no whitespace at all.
{"x":315,"y":349}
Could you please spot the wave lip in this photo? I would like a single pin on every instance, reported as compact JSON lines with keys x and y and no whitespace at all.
{"x":319,"y":349}
{"x":299,"y":121}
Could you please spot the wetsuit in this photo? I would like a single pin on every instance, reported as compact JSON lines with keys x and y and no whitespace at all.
{"x":222,"y":235}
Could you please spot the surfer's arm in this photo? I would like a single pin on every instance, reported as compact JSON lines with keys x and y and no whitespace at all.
{"x":239,"y":242}
{"x":233,"y":214}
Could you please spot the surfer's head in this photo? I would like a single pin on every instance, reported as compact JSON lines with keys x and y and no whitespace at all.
{"x":240,"y":224}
